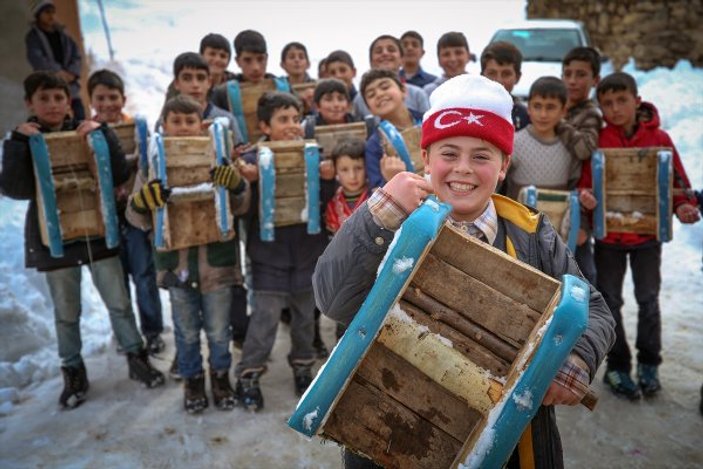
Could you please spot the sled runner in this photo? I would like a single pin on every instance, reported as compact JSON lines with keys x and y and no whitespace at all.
{"x":562,"y":208}
{"x":243,"y":99}
{"x":328,"y":136}
{"x":405,"y":145}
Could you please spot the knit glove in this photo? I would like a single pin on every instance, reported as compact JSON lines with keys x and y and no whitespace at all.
{"x":226,"y":176}
{"x":151,"y":196}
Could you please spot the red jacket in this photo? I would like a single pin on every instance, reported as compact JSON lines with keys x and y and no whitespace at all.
{"x":647,"y":134}
{"x":338,"y":209}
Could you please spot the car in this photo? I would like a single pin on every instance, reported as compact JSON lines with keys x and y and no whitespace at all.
{"x":543,"y":44}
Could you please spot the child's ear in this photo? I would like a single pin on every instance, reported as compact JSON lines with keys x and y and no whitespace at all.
{"x":425,"y":160}
{"x":265,"y":128}
{"x":504,"y":165}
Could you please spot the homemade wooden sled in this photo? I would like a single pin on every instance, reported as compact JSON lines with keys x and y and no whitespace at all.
{"x":197,"y":212}
{"x":303,"y":90}
{"x":75,"y":193}
{"x":289,"y":186}
{"x":562,"y":208}
{"x":328,"y":136}
{"x":134,"y":140}
{"x":243,"y":99}
{"x":450,"y":355}
{"x":405,"y":145}
{"x":634,"y":190}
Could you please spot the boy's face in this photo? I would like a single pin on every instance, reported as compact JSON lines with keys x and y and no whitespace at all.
{"x":383,"y":97}
{"x":579,"y":80}
{"x":194,"y":82}
{"x":178,"y":124}
{"x":49,"y":105}
{"x":545,"y":113}
{"x":253,"y":65}
{"x":504,"y":74}
{"x":465,"y":172}
{"x":351,"y":173}
{"x":619,"y":107}
{"x":285,"y":125}
{"x":107,"y":103}
{"x":341,"y":71}
{"x":453,"y":60}
{"x":333,"y":107}
{"x":295,"y":62}
{"x":385,"y":55}
{"x":412,"y":51}
{"x":46,"y":20}
{"x":217,"y":60}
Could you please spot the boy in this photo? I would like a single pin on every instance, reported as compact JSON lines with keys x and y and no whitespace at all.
{"x":199,"y":279}
{"x":281,"y":269}
{"x":348,"y":157}
{"x":107,"y":98}
{"x":633,"y":123}
{"x":295,"y":61}
{"x":466,"y":158}
{"x":453,"y":55}
{"x":217,"y":52}
{"x":331,"y":99}
{"x":340,"y":65}
{"x":539,"y":157}
{"x":383,"y":93}
{"x":501,"y":61}
{"x":48,"y":99}
{"x":413,"y":50}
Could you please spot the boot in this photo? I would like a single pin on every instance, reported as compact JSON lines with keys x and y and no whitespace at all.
{"x":75,"y":386}
{"x":648,"y":379}
{"x":302,"y":376}
{"x":155,"y":344}
{"x":248,"y":392}
{"x":194,"y":398}
{"x":173,"y":372}
{"x":222,"y":392}
{"x":141,"y":370}
{"x":621,"y":384}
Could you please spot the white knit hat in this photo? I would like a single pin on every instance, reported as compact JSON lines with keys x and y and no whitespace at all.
{"x":36,"y":6}
{"x":472,"y":106}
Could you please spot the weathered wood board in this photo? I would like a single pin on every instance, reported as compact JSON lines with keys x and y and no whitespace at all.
{"x":412,"y":137}
{"x":328,"y":136}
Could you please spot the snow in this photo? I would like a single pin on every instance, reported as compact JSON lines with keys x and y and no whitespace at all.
{"x":309,"y":418}
{"x":398,"y":313}
{"x":402,"y":264}
{"x":396,"y":237}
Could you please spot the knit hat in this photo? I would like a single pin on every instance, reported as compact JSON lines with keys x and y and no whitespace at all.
{"x":37,"y":6}
{"x":470,"y":106}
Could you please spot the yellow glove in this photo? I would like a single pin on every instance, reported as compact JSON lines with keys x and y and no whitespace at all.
{"x":226,"y":176}
{"x":151,"y":196}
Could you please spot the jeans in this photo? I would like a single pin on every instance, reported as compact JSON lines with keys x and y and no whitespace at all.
{"x":65,"y":289}
{"x":194,"y":311}
{"x":137,"y":259}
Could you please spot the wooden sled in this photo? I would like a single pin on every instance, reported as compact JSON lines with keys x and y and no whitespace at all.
{"x":243,"y":99}
{"x":450,"y":355}
{"x":562,"y":208}
{"x":75,"y":193}
{"x":303,"y":90}
{"x":134,"y":140}
{"x":289,"y":186}
{"x":328,"y":136}
{"x":405,"y":145}
{"x":634,"y":190}
{"x":197,"y":212}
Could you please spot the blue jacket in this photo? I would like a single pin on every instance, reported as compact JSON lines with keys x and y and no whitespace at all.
{"x":420,"y":79}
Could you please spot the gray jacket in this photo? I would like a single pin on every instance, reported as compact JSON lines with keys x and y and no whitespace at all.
{"x":40,"y":56}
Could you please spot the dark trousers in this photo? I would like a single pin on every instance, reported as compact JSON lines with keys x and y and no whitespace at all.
{"x":645,"y":262}
{"x":238,"y":314}
{"x":584,"y":259}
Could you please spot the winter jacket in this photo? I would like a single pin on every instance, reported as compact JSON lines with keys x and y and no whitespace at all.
{"x":420,"y":79}
{"x":647,"y":134}
{"x":41,"y":57}
{"x":347,"y":270}
{"x":519,"y":115}
{"x":339,"y":209}
{"x":17,"y":182}
{"x":580,"y":130}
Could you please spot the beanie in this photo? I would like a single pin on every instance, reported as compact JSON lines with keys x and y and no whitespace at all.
{"x":36,"y":6}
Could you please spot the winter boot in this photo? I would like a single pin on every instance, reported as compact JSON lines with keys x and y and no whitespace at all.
{"x":141,"y":370}
{"x":302,"y":376}
{"x":222,"y":392}
{"x":648,"y":379}
{"x":155,"y":344}
{"x":194,"y":398}
{"x":621,"y":384}
{"x":248,"y":392}
{"x":173,"y":372}
{"x":75,"y":386}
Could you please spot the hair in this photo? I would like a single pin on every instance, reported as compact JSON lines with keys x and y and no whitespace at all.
{"x":215,"y":41}
{"x":618,"y":81}
{"x":452,"y":39}
{"x":182,"y":104}
{"x":376,"y":74}
{"x":584,"y":54}
{"x":414,"y":35}
{"x":340,"y":56}
{"x":504,"y":53}
{"x":249,"y":41}
{"x":381,"y":38}
{"x":43,"y":80}
{"x":294,"y":45}
{"x":352,"y":147}
{"x":189,"y":60}
{"x":270,"y":101}
{"x":107,"y":78}
{"x":549,"y":87}
{"x":321,"y":68}
{"x":330,"y":85}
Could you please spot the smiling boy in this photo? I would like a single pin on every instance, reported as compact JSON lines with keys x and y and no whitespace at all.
{"x":453,"y":55}
{"x":413,"y":51}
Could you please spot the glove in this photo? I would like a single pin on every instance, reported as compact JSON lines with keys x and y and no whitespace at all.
{"x":226,"y":176}
{"x":151,"y":196}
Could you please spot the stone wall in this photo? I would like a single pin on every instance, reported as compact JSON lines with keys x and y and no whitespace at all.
{"x":655,"y":33}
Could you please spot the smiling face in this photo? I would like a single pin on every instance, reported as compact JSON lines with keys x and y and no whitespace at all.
{"x":107,"y":103}
{"x":504,"y":74}
{"x":50,"y":106}
{"x":193,"y":82}
{"x":284,"y":125}
{"x":465,"y":172}
{"x":333,"y":107}
{"x":412,"y":51}
{"x":217,"y":60}
{"x":386,"y":55}
{"x":341,"y":71}
{"x":383,"y":97}
{"x":178,"y":124}
{"x":351,"y":173}
{"x":453,"y":60}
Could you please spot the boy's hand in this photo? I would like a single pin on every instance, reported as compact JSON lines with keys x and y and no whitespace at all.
{"x":249,"y":171}
{"x":87,"y":126}
{"x":587,"y":200}
{"x":151,"y":196}
{"x":687,"y":213}
{"x":66,"y":76}
{"x":582,"y":237}
{"x":570,"y":384}
{"x":390,"y":166}
{"x":408,"y":190}
{"x":326,"y":170}
{"x":241,"y":148}
{"x":28,"y":128}
{"x":226,"y":176}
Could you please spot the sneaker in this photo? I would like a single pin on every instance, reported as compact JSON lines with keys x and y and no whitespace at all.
{"x":222,"y":392}
{"x":75,"y":386}
{"x":173,"y":371}
{"x":621,"y":384}
{"x":155,"y":344}
{"x":141,"y":370}
{"x":648,"y":379}
{"x":248,"y":392}
{"x":302,"y":376}
{"x":194,"y":398}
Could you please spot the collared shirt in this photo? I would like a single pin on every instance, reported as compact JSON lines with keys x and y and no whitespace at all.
{"x":420,"y":78}
{"x":485,"y":227}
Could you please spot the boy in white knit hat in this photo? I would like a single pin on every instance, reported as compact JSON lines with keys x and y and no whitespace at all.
{"x":467,"y":140}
